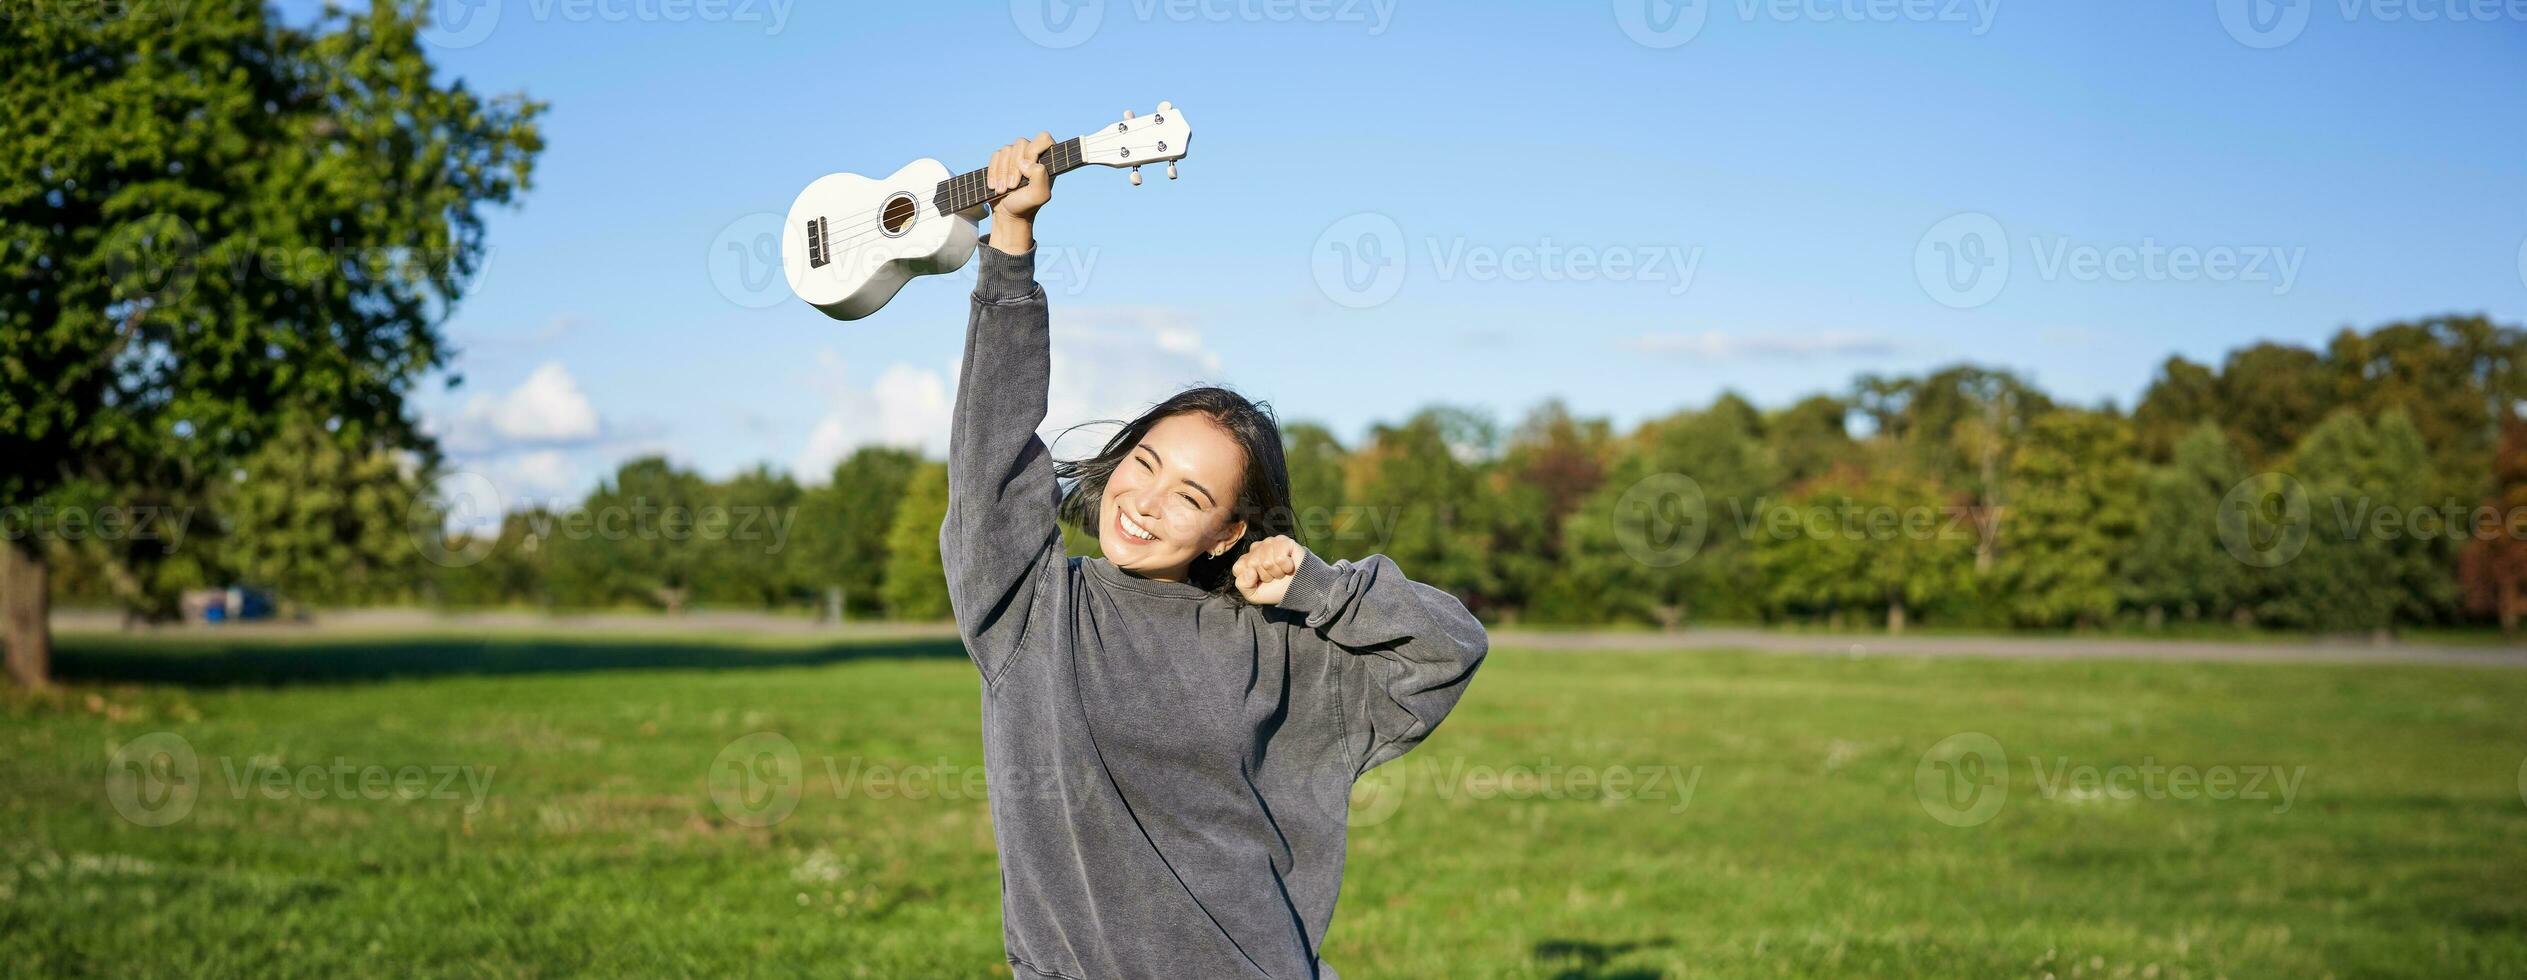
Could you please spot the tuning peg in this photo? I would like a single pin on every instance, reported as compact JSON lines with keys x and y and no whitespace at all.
{"x":1171,"y":170}
{"x":1127,"y":113}
{"x":1166,"y":107}
{"x":1136,"y":176}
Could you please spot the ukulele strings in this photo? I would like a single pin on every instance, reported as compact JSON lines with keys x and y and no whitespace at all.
{"x":874,"y":223}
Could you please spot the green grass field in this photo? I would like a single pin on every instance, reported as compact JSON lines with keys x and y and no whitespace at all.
{"x":1783,"y":818}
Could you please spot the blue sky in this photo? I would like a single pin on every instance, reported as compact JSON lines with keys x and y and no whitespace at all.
{"x":1630,"y":206}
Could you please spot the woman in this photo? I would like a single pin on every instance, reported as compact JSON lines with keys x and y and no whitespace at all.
{"x":1171,"y":731}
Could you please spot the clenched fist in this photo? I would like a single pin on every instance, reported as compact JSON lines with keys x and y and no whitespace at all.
{"x":1265,"y":571}
{"x":1018,"y":170}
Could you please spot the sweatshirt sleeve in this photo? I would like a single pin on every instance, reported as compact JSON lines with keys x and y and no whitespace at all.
{"x":1420,"y":645}
{"x":1002,"y":537}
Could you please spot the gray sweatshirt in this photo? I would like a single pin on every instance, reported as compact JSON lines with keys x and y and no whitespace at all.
{"x":1170,"y":771}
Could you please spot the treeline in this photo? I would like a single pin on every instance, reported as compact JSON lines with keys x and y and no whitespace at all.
{"x":2376,"y":483}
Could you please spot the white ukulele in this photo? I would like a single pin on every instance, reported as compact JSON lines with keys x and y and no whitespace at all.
{"x":852,"y":241}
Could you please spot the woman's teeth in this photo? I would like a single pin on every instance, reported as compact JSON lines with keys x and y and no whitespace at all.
{"x":1133,"y":529}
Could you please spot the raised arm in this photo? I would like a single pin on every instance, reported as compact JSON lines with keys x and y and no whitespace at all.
{"x":1002,"y":537}
{"x":1421,"y":645}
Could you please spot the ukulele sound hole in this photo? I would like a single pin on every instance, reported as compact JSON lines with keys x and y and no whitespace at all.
{"x":897,"y":215}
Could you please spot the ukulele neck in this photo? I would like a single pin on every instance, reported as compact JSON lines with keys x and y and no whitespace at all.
{"x":970,"y":190}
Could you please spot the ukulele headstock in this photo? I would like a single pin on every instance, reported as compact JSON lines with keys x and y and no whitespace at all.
{"x":1160,"y":137}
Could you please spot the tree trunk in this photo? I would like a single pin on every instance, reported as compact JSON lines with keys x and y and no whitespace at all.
{"x":1895,"y":616}
{"x":26,"y":607}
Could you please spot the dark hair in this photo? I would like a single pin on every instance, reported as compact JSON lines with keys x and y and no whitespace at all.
{"x":1263,"y":496}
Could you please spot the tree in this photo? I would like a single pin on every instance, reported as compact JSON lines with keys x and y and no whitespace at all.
{"x":2454,"y":377}
{"x":2177,"y":559}
{"x":1553,"y":462}
{"x":638,"y":539}
{"x":2067,"y":536}
{"x":1810,"y":438}
{"x":916,"y":585}
{"x":213,"y":220}
{"x":2183,"y":396}
{"x":319,"y":517}
{"x":1878,"y":542}
{"x":843,"y":526}
{"x":1660,"y":541}
{"x":2271,"y":396}
{"x":1957,"y":427}
{"x":510,"y":565}
{"x":1327,"y":523}
{"x":1425,"y":472}
{"x":745,"y":526}
{"x":2493,"y":567}
{"x":2370,"y":560}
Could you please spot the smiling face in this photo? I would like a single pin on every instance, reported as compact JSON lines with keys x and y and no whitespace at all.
{"x":1173,"y":498}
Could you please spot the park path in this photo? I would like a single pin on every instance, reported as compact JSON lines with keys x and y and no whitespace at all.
{"x":2292,"y":650}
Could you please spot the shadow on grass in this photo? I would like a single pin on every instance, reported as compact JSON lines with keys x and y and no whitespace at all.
{"x":224,"y":662}
{"x":1579,"y":959}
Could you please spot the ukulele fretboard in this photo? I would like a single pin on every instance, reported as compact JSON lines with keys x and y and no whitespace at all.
{"x":969,"y":190}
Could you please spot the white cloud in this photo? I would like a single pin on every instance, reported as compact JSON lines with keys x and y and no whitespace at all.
{"x":1712,"y":345}
{"x":907,"y":406}
{"x":1114,"y":362}
{"x":546,"y":410}
{"x":478,"y":494}
{"x":1108,"y":363}
{"x":544,"y":476}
